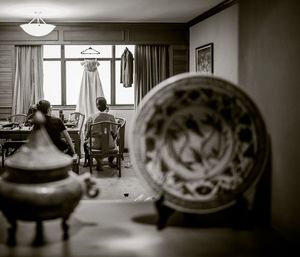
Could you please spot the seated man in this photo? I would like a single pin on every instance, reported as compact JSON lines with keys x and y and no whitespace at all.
{"x":102,"y":115}
{"x":56,"y":129}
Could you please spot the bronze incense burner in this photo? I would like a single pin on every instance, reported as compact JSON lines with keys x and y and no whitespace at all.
{"x":38,"y":185}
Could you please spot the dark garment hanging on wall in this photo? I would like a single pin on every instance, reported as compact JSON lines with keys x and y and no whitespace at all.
{"x":126,"y":68}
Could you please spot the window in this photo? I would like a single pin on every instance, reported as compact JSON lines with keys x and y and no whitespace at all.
{"x":63,"y":73}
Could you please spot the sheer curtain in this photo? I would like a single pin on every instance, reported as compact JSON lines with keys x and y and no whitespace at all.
{"x":28,"y":88}
{"x":151,"y":67}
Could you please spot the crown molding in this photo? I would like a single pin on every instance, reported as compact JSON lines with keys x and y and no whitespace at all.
{"x":218,"y":8}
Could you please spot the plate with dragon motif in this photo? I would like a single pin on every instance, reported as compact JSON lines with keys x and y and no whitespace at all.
{"x":200,"y":141}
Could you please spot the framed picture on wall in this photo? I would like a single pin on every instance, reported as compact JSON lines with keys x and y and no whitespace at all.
{"x":204,"y":58}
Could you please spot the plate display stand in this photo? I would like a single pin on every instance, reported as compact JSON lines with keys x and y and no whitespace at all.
{"x":240,"y":217}
{"x":163,"y":213}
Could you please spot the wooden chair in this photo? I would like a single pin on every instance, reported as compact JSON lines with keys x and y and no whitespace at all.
{"x":102,"y":144}
{"x":76,"y":119}
{"x":75,"y":164}
{"x":121,"y":139}
{"x":17,"y":118}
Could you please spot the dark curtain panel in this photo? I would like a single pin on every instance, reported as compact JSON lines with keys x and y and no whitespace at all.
{"x":151,"y":67}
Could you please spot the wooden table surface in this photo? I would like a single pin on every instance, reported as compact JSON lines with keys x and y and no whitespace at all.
{"x":23,"y":133}
{"x":100,"y":228}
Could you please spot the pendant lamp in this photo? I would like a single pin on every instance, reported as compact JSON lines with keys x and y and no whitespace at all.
{"x":37,"y":29}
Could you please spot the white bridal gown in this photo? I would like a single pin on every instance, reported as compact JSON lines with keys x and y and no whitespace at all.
{"x":90,"y":89}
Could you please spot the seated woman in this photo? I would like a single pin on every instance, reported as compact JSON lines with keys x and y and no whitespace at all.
{"x":102,"y":115}
{"x":30,"y":115}
{"x":56,"y":129}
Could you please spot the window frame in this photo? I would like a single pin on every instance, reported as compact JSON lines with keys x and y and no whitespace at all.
{"x":63,"y":60}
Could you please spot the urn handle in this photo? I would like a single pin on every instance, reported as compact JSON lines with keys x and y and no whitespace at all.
{"x":89,"y":185}
{"x":92,"y":190}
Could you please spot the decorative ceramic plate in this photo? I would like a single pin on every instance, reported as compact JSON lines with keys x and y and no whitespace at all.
{"x":200,"y":141}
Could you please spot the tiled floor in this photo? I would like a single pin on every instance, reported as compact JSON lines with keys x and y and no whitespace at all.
{"x":130,"y":187}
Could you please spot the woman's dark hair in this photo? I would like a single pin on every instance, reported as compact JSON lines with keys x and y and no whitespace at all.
{"x":43,"y":106}
{"x":101,"y":104}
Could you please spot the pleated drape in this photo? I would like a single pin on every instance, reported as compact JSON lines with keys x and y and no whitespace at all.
{"x":28,"y":86}
{"x":151,"y":67}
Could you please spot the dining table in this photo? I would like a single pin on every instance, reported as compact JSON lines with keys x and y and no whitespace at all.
{"x":22,"y":132}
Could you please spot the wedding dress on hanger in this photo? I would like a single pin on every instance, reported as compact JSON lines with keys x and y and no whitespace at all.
{"x":90,"y":89}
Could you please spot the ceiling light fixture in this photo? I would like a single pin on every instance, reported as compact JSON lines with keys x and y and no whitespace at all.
{"x":39,"y":28}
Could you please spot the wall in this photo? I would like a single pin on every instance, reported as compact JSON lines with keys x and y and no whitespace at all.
{"x":6,"y":79}
{"x":260,"y":41}
{"x":100,"y":33}
{"x":269,"y":71}
{"x":222,"y":30}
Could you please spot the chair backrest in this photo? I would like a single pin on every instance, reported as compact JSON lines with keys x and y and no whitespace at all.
{"x":78,"y":119}
{"x":18,"y":118}
{"x":121,"y":139}
{"x":100,"y":135}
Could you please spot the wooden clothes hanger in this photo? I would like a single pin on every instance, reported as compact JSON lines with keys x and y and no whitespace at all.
{"x":90,"y":50}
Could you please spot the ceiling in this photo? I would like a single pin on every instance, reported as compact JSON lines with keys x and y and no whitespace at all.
{"x":180,"y":11}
